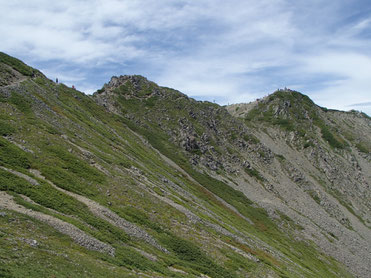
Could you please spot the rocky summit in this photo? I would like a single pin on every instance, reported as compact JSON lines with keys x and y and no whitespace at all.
{"x":139,"y":180}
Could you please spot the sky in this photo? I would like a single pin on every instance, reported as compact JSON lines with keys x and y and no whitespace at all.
{"x":223,"y":51}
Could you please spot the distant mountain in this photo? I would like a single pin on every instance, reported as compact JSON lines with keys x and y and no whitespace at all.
{"x":140,"y":180}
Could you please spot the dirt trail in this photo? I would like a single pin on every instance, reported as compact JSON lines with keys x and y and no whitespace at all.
{"x":15,"y":82}
{"x":78,"y":236}
{"x":108,"y":215}
{"x":23,"y":176}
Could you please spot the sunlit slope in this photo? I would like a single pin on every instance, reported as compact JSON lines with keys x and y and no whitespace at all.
{"x":141,"y":180}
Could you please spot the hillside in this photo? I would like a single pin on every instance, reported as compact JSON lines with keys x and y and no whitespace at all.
{"x":140,"y":180}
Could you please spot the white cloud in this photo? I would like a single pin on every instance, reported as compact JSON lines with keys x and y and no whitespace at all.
{"x":69,"y":78}
{"x":351,"y":82}
{"x":227,"y":50}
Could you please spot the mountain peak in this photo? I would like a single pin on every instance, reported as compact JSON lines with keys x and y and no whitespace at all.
{"x":281,"y":104}
{"x":290,"y":95}
{"x":116,"y":82}
{"x":132,"y":87}
{"x":286,"y":103}
{"x":129,"y":86}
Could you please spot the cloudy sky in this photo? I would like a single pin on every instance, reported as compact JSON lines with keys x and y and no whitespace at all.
{"x":223,"y":51}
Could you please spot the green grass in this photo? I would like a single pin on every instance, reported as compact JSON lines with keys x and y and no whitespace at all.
{"x":5,"y":128}
{"x":69,"y":172}
{"x":252,"y":172}
{"x":263,"y":227}
{"x":137,"y":216}
{"x":192,"y":257}
{"x":112,"y":144}
{"x":251,"y":138}
{"x":49,"y":197}
{"x":331,"y":139}
{"x":295,"y":117}
{"x":285,"y":124}
{"x":362,"y":147}
{"x":20,"y":102}
{"x":55,"y":256}
{"x":16,"y":64}
{"x":13,"y":155}
{"x":308,"y":144}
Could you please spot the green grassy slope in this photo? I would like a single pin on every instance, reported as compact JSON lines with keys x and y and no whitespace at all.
{"x":112,"y":159}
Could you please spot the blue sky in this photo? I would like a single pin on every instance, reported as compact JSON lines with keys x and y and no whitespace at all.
{"x":227,"y":51}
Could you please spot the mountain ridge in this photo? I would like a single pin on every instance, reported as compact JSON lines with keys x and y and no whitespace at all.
{"x":268,"y":193}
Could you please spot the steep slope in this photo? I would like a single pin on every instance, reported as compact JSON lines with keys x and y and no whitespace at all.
{"x":326,"y":156}
{"x":237,"y":153}
{"x":336,"y":143}
{"x":140,"y":180}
